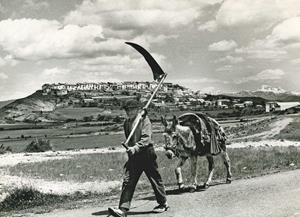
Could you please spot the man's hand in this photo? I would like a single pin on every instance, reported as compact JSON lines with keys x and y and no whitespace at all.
{"x":144,"y":112}
{"x":131,"y":151}
{"x":170,"y":154}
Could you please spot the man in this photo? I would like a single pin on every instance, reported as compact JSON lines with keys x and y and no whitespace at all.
{"x":142,"y":158}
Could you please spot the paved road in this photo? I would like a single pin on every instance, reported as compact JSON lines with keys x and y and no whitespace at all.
{"x":276,"y":195}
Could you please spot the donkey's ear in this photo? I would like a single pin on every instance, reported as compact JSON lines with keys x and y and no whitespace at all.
{"x":174,"y":121}
{"x":164,"y":121}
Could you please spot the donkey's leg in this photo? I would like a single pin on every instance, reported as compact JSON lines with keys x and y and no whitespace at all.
{"x":227,"y":163}
{"x":194,"y":173}
{"x":178,"y":172}
{"x":211,"y":168}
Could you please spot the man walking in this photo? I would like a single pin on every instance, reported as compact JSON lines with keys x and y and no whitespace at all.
{"x":142,"y":158}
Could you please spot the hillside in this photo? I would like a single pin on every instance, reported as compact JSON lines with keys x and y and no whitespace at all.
{"x":28,"y":108}
{"x":4,"y":103}
{"x":255,"y":99}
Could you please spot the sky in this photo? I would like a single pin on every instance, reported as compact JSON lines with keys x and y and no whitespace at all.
{"x":207,"y":45}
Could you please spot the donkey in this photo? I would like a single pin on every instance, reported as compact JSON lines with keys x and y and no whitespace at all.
{"x":192,"y":135}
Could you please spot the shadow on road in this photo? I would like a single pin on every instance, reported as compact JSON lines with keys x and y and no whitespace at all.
{"x":101,"y":213}
{"x":177,"y":191}
{"x":105,"y":213}
{"x":140,"y":213}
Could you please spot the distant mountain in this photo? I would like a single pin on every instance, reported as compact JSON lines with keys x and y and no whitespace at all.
{"x":270,"y":89}
{"x":270,"y":93}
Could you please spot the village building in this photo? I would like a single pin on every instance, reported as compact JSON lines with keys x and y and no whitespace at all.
{"x":239,"y":105}
{"x":248,"y":103}
{"x":223,"y":103}
{"x":281,"y":106}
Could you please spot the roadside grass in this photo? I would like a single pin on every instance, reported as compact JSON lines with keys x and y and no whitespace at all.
{"x":246,"y":162}
{"x":26,"y":197}
{"x":292,"y":131}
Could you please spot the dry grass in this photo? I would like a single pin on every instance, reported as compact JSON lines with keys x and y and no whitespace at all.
{"x":292,"y":131}
{"x":246,"y":162}
{"x":25,"y":197}
{"x":91,"y":167}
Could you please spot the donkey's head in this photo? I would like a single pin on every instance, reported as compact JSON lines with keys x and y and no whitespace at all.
{"x":170,"y":136}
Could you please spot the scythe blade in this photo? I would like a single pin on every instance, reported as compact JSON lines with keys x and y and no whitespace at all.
{"x":155,"y":67}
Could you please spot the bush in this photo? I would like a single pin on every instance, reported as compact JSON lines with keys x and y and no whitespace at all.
{"x":4,"y":149}
{"x":39,"y":145}
{"x":26,"y":197}
{"x":87,"y":118}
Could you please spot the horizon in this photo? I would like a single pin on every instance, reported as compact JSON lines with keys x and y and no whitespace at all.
{"x":207,"y":93}
{"x":207,"y":45}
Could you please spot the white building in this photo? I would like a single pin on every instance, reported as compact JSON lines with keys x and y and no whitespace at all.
{"x":280,"y":106}
{"x":222,"y":102}
{"x":248,"y":103}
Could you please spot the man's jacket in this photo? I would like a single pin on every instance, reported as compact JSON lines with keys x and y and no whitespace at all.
{"x":142,"y":137}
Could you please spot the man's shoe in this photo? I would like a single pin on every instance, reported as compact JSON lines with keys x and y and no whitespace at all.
{"x":116,"y":212}
{"x":161,"y":208}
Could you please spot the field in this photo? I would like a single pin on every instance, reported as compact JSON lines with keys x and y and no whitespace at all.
{"x":79,"y":113}
{"x":87,"y":139}
{"x":92,"y":134}
{"x":257,"y":148}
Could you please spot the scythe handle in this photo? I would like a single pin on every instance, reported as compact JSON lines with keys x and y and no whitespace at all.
{"x":142,"y":113}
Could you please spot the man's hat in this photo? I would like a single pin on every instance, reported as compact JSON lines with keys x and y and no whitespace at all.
{"x":131,"y":104}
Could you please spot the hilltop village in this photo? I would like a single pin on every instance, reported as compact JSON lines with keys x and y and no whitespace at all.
{"x":170,"y":96}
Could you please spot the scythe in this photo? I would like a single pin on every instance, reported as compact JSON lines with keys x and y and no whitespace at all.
{"x":158,"y":74}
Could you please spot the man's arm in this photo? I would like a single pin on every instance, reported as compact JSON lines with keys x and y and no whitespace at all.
{"x":146,"y":133}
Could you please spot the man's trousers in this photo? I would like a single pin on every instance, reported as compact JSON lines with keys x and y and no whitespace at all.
{"x":143,"y":161}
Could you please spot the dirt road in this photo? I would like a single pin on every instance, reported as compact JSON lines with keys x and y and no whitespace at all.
{"x":276,"y":195}
{"x":275,"y":129}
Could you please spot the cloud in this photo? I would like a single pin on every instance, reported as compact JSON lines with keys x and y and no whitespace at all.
{"x":205,"y":80}
{"x":55,"y":72}
{"x":259,"y":13}
{"x":275,"y":46}
{"x":230,"y":59}
{"x":224,"y":68}
{"x":73,"y":75}
{"x":2,"y":62}
{"x":265,"y":75}
{"x":286,"y":32}
{"x":222,"y":46}
{"x":43,"y":39}
{"x":139,"y":16}
{"x":2,"y":9}
{"x":210,"y":26}
{"x":8,"y":60}
{"x":295,"y":61}
{"x":34,"y":5}
{"x":262,"y":49}
{"x":33,"y":39}
{"x":270,"y":74}
{"x":3,"y":76}
{"x":116,"y":65}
